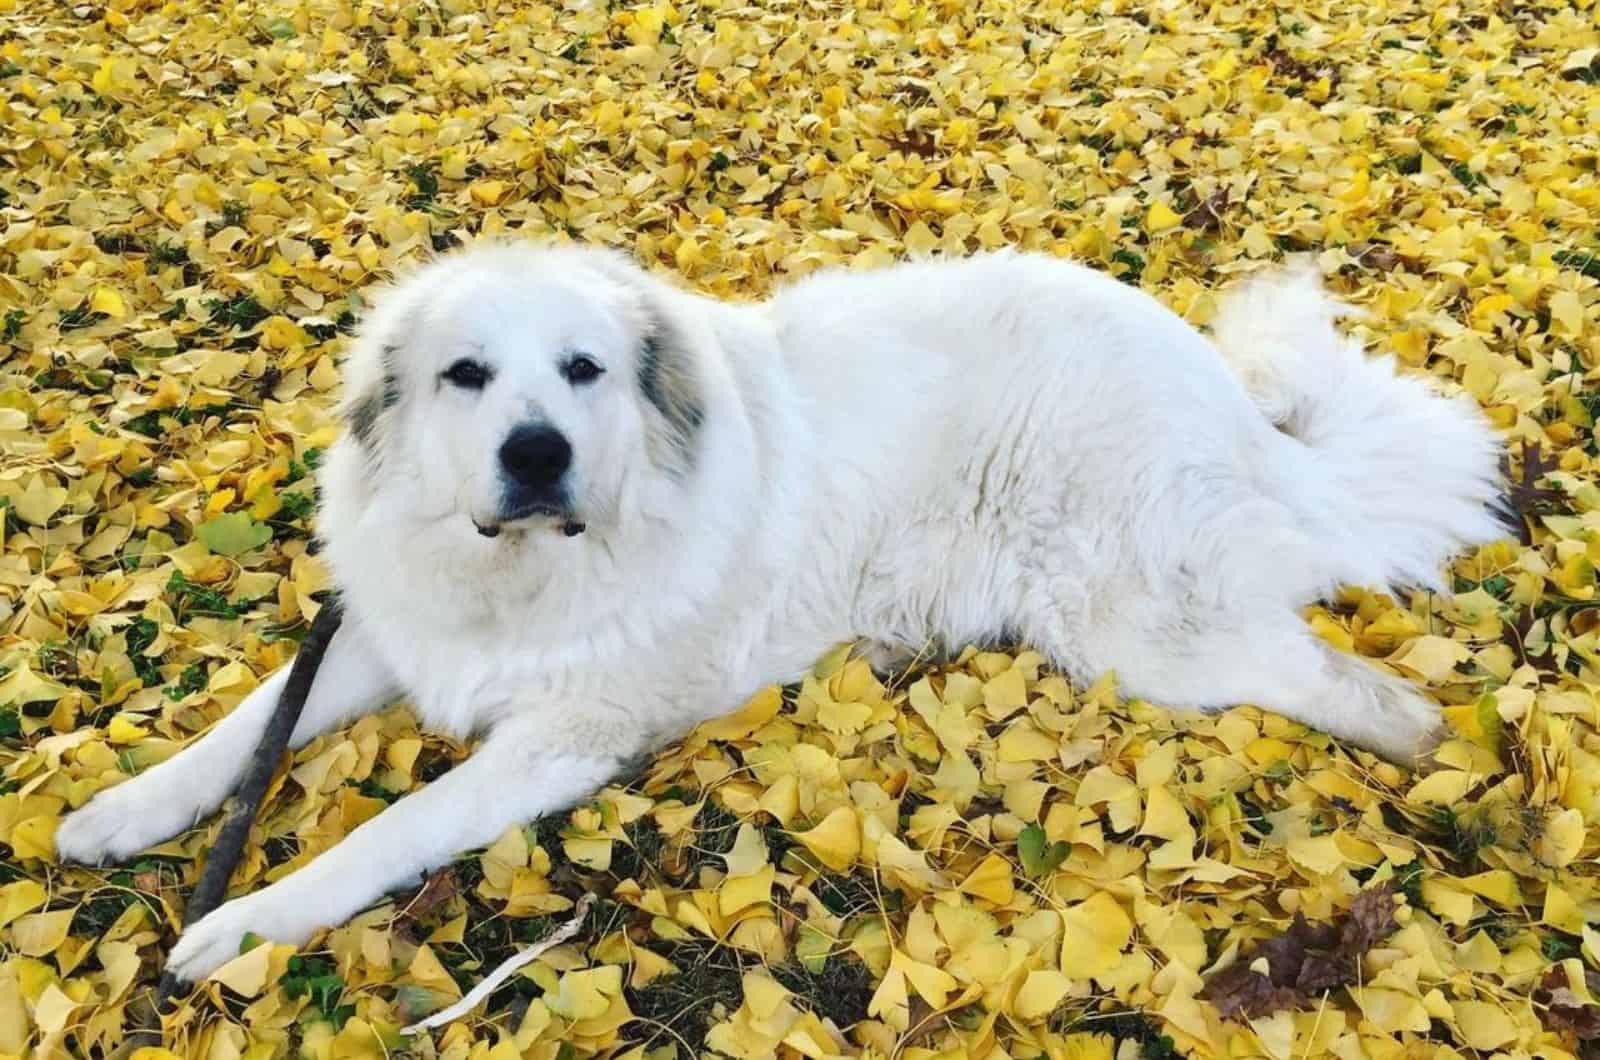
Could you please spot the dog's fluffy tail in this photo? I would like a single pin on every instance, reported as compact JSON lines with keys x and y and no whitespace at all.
{"x":1390,"y":477}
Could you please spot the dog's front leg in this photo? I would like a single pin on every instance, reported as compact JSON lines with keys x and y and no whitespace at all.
{"x":163,"y":801}
{"x":511,"y":779}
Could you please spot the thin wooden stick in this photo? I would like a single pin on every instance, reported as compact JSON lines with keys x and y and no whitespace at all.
{"x":506,"y":970}
{"x":241,"y":810}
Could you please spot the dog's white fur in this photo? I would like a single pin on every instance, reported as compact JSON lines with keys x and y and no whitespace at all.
{"x":941,"y":452}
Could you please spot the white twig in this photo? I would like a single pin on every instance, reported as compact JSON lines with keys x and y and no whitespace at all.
{"x":506,"y":970}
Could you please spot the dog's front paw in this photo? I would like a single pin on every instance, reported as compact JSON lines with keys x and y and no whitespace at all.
{"x":116,"y":824}
{"x":212,"y":942}
{"x":215,"y":938}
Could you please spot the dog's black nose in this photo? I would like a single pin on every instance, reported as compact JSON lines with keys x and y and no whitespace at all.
{"x":536,"y":455}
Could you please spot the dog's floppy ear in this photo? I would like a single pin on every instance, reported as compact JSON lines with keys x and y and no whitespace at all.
{"x":372,"y":384}
{"x":667,"y":367}
{"x":669,"y":384}
{"x":366,"y":409}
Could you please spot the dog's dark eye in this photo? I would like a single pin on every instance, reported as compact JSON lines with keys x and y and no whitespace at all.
{"x":580,"y":370}
{"x":468,"y":374}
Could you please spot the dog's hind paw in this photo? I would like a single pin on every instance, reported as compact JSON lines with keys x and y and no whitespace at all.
{"x":1409,"y":726}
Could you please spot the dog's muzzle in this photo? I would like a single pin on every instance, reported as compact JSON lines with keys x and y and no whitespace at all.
{"x":534,"y":461}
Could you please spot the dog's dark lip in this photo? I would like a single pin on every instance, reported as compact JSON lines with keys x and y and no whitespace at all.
{"x":570,"y":527}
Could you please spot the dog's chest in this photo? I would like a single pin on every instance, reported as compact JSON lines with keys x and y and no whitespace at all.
{"x":462,"y":681}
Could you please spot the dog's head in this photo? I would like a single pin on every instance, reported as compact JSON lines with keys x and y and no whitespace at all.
{"x":523,"y":389}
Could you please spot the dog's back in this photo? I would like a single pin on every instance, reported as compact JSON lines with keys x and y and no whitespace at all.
{"x":1016,"y":444}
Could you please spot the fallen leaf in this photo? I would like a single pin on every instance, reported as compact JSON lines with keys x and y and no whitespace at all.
{"x":233,"y":534}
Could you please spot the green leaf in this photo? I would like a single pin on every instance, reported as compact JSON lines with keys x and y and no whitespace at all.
{"x":1038,"y":856}
{"x":1490,"y":722}
{"x":233,"y":534}
{"x":413,"y":1002}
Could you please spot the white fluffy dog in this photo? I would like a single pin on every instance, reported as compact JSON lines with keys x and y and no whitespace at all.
{"x":578,"y":509}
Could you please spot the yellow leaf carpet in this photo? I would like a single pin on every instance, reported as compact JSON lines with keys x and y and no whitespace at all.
{"x":977,"y":860}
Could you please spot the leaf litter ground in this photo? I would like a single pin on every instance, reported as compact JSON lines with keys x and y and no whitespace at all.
{"x":975,"y":860}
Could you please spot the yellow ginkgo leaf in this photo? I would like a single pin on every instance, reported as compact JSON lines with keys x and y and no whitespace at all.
{"x":890,"y":995}
{"x":246,"y":974}
{"x":1087,"y":1046}
{"x":1005,"y":693}
{"x":488,"y":192}
{"x":1566,"y":311}
{"x":590,"y":853}
{"x":756,"y":712}
{"x":933,"y":984}
{"x":53,"y":1009}
{"x":1445,"y":787}
{"x":991,"y":880}
{"x":1432,"y":658}
{"x":109,"y":301}
{"x":1317,"y":855}
{"x":1497,"y":885}
{"x":1161,"y":217}
{"x":1025,"y":742}
{"x":1094,"y":934}
{"x":35,"y":837}
{"x":749,"y":852}
{"x":843,"y":717}
{"x":740,"y":892}
{"x":38,"y":934}
{"x":1484,"y":1025}
{"x":1041,"y":992}
{"x":1391,"y":1011}
{"x":586,"y":994}
{"x":836,"y":840}
{"x":1561,"y":839}
{"x":21,"y":896}
{"x":39,"y":502}
{"x":125,"y":728}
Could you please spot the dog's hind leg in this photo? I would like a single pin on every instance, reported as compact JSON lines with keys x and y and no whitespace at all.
{"x":892,"y":660}
{"x":1271,"y":661}
{"x":168,"y":798}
